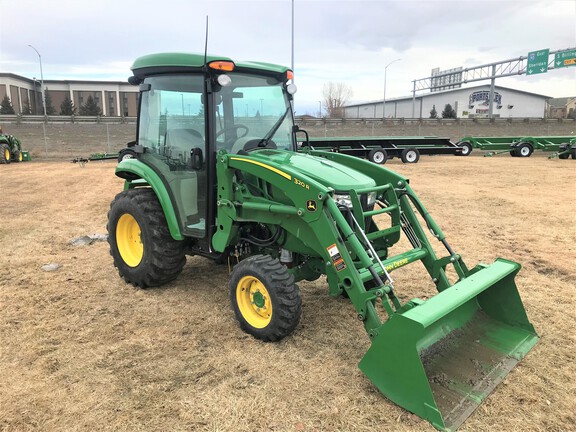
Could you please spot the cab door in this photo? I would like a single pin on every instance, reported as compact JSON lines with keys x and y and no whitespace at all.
{"x":173,"y":131}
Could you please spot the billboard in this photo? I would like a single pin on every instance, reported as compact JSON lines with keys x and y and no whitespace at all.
{"x":445,"y":80}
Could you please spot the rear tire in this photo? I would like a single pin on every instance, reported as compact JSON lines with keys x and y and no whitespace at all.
{"x":264,"y":297}
{"x":143,"y":250}
{"x":410,"y":155}
{"x":466,"y":148}
{"x":378,"y":156}
{"x":4,"y":154}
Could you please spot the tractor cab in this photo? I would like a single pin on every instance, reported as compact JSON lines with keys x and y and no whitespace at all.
{"x":189,"y":112}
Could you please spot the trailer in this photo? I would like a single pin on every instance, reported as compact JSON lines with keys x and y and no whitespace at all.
{"x":515,"y":146}
{"x":380,"y":149}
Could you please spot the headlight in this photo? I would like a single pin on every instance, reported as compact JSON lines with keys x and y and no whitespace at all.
{"x":371,"y":200}
{"x":343,"y":200}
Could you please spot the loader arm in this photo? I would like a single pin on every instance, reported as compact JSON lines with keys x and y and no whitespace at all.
{"x":322,"y":230}
{"x":325,"y":232}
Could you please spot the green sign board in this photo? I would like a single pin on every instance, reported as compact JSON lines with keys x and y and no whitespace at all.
{"x":537,"y":62}
{"x":565,"y":59}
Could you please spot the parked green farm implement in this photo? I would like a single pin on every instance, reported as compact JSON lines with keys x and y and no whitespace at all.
{"x":565,"y":150}
{"x":515,"y":146}
{"x":380,"y":149}
{"x":229,"y":186}
{"x":11,"y":150}
{"x":95,"y":157}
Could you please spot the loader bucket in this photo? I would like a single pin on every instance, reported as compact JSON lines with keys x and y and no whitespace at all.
{"x":442,"y":357}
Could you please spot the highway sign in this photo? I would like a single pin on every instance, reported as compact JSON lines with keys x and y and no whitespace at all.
{"x":565,"y":59}
{"x":537,"y":62}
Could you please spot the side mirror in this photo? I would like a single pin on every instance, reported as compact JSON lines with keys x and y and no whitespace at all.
{"x":196,"y":159}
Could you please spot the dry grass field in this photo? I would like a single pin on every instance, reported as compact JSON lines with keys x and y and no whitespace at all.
{"x":80,"y":350}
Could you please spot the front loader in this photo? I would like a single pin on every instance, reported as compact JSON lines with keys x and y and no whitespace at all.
{"x":215,"y":171}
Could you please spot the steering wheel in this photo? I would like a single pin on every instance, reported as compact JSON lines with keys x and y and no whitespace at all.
{"x":233,"y":128}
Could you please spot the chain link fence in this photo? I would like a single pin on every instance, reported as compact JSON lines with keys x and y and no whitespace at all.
{"x":66,"y":137}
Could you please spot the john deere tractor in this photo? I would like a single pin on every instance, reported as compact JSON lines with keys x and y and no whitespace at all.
{"x":11,"y":150}
{"x":219,"y":169}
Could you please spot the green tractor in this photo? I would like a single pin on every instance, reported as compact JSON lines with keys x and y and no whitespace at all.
{"x":11,"y":150}
{"x":216,"y":170}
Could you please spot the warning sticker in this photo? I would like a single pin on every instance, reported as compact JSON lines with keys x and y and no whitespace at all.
{"x":339,"y":263}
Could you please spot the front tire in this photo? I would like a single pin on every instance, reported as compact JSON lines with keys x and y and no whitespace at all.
{"x":264,"y":297}
{"x":143,"y":250}
{"x":17,"y":156}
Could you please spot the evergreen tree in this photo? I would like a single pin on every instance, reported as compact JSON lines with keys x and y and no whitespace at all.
{"x":67,"y":107}
{"x":448,"y":112}
{"x":90,"y":108}
{"x":433,"y":112}
{"x":50,"y":110}
{"x":6,"y":106}
{"x":26,"y":109}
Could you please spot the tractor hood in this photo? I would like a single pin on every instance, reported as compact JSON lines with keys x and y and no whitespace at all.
{"x":335,"y":175}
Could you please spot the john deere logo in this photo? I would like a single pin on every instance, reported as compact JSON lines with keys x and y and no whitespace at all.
{"x":311,"y":205}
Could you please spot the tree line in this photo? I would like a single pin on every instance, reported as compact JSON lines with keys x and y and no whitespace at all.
{"x":67,"y":107}
{"x":447,"y":112}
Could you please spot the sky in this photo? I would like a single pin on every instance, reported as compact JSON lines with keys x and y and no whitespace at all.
{"x":340,"y":41}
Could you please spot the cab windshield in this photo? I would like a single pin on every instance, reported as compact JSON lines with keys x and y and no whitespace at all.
{"x":253,"y":112}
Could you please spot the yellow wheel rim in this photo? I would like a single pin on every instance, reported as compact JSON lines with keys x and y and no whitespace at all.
{"x":129,"y":241}
{"x":20,"y":157}
{"x":7,"y":154}
{"x":254,"y":302}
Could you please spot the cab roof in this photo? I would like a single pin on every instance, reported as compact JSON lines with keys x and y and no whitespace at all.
{"x":182,"y":62}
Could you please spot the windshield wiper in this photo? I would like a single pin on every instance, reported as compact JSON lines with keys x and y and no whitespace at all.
{"x":264,"y":141}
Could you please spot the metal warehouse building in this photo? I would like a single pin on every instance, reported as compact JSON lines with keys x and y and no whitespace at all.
{"x":471,"y":102}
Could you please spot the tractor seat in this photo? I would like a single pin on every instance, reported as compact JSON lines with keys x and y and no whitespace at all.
{"x":181,"y":141}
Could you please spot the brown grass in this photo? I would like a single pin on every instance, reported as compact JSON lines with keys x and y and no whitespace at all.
{"x":80,"y":350}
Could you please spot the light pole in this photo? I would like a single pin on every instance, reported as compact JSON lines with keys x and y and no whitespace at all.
{"x":384,"y":100}
{"x":41,"y":80}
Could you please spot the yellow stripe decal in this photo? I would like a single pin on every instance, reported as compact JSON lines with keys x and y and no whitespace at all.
{"x":263,"y":165}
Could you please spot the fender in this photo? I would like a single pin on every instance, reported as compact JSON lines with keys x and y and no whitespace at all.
{"x":133,"y":172}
